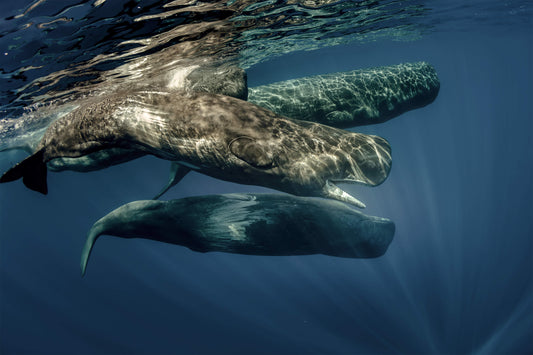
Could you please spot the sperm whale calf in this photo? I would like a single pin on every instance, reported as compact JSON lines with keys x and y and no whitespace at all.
{"x":252,"y":224}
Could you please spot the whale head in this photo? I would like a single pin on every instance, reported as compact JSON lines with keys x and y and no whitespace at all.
{"x":312,"y":159}
{"x":220,"y":136}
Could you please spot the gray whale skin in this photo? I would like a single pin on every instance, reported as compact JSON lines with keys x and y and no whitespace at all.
{"x":254,"y":224}
{"x":353,"y":98}
{"x":220,"y":136}
{"x":343,"y":99}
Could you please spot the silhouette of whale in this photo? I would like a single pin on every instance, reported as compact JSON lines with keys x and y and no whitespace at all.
{"x":255,"y":224}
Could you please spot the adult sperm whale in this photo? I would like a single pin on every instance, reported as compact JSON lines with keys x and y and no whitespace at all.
{"x":216,"y":135}
{"x":253,"y":224}
{"x":358,"y":97}
{"x":354,"y":98}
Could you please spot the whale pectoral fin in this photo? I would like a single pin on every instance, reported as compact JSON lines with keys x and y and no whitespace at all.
{"x":32,"y":170}
{"x":177,"y":172}
{"x":252,"y":152}
{"x":336,"y":193}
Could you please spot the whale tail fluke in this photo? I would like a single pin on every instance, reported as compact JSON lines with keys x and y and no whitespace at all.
{"x":32,"y":170}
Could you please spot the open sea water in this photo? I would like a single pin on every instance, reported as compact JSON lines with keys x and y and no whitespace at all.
{"x":458,"y":276}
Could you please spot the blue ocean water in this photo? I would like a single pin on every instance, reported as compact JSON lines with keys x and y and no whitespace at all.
{"x":457,"y":277}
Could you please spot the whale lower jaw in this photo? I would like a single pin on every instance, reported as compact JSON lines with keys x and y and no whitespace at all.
{"x":334,"y":192}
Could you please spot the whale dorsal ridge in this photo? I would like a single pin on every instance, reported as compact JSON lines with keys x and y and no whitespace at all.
{"x":251,"y":151}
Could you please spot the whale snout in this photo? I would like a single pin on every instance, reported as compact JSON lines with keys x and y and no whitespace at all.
{"x":360,"y":159}
{"x":370,"y":159}
{"x":364,"y":236}
{"x":378,"y":234}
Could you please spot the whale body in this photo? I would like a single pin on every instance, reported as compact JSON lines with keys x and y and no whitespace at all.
{"x":343,"y":99}
{"x":216,"y":135}
{"x":253,"y":224}
{"x":353,"y":98}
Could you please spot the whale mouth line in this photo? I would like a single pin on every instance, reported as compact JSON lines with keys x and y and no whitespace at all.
{"x":347,"y":181}
{"x":331,"y":190}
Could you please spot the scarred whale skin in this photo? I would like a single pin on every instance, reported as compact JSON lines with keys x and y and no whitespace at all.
{"x":219,"y":136}
{"x":353,"y":98}
{"x":345,"y":99}
{"x":254,"y":224}
{"x":223,"y":80}
{"x":338,"y":99}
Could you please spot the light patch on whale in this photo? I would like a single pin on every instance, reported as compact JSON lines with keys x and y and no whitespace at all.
{"x":224,"y":137}
{"x":178,"y":77}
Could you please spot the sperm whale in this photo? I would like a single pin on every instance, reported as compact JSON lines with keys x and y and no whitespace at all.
{"x":220,"y":136}
{"x":252,"y":224}
{"x":353,"y":98}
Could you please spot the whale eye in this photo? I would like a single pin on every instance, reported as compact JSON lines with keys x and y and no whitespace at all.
{"x":249,"y":150}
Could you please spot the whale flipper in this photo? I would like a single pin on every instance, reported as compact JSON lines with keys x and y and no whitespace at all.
{"x":177,"y":172}
{"x":32,"y":170}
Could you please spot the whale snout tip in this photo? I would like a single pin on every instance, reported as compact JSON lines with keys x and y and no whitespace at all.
{"x":378,"y":234}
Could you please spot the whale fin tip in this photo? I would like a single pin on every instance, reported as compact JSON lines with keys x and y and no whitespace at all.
{"x":96,"y":230}
{"x":32,"y":170}
{"x":177,"y":172}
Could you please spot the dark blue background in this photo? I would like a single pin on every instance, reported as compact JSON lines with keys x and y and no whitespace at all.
{"x":457,"y":278}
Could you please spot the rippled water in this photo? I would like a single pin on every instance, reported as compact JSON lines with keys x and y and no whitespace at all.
{"x":458,"y":275}
{"x":60,"y":49}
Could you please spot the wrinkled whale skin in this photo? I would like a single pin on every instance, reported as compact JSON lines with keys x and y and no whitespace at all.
{"x":353,"y":98}
{"x":343,"y":99}
{"x":223,"y":80}
{"x":254,"y":224}
{"x":219,"y":136}
{"x":226,"y":80}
